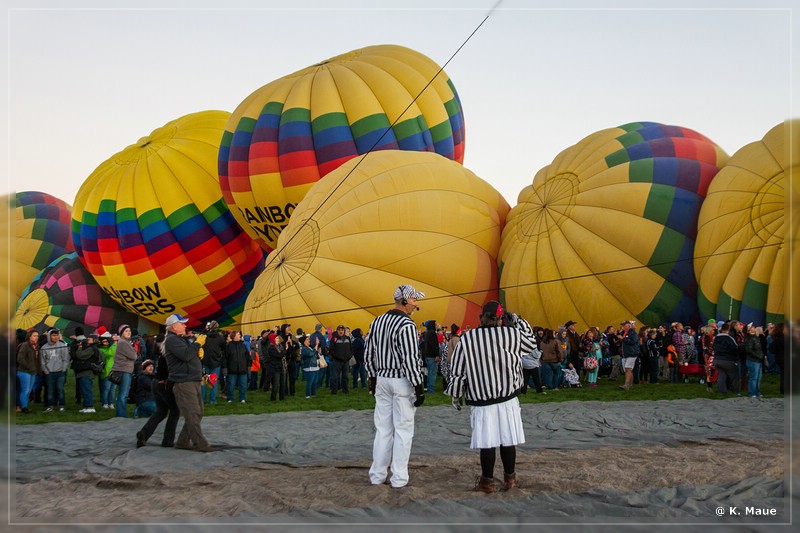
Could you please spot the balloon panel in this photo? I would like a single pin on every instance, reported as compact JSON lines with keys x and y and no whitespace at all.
{"x":375,"y":223}
{"x":294,"y":130}
{"x":152,"y":228}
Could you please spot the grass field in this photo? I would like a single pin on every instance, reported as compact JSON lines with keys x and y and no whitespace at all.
{"x":258,"y":402}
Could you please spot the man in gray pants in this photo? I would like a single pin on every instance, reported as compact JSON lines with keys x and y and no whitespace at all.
{"x":186,"y":372}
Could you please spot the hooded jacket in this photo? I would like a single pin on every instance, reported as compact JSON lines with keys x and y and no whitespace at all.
{"x":358,"y":346}
{"x":430,"y":341}
{"x":214,"y":349}
{"x":54,"y":355}
{"x":237,"y":358}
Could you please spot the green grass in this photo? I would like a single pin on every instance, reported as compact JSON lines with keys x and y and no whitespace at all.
{"x":258,"y":402}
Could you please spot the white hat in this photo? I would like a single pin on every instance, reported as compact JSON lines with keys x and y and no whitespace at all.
{"x":404,"y":292}
{"x":174,"y":319}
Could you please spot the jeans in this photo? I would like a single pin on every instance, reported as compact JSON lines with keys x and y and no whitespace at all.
{"x":433,"y":369}
{"x":212,"y":396}
{"x":87,"y":390}
{"x":311,"y":378}
{"x":25,"y":387}
{"x":754,"y":369}
{"x":107,"y":391}
{"x":146,"y":409}
{"x":55,"y":388}
{"x":252,"y":384}
{"x":122,"y":394}
{"x":237,"y":380}
{"x":551,"y":375}
{"x":360,"y":371}
{"x":339,"y":377}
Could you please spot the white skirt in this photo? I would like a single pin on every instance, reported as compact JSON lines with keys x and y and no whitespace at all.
{"x":497,"y":424}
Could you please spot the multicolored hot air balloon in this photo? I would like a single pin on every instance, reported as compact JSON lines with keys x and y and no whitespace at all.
{"x":151,"y":226}
{"x":740,"y":256}
{"x":64,"y":295}
{"x":606,"y":231}
{"x":375,"y":223}
{"x":41,"y":224}
{"x":288,"y":134}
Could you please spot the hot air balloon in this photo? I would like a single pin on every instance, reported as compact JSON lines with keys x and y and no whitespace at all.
{"x":41,"y":225}
{"x":740,"y":255}
{"x":288,"y":134}
{"x":151,"y":226}
{"x":64,"y":295}
{"x":375,"y":223}
{"x":606,"y":231}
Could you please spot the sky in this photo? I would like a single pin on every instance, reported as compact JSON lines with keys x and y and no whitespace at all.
{"x":533,"y":79}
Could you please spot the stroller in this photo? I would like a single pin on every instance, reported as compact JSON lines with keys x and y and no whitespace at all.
{"x":571,"y":377}
{"x":687,"y":370}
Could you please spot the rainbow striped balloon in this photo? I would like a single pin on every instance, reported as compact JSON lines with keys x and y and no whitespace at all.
{"x":151,"y":226}
{"x":606,"y":232}
{"x":288,"y":134}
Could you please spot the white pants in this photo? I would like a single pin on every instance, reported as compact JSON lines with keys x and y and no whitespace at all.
{"x":394,"y":430}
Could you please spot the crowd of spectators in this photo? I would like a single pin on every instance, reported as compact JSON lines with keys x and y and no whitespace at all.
{"x":730,"y":354}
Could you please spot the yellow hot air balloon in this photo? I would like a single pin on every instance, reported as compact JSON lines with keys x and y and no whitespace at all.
{"x":740,"y":255}
{"x":152,"y":228}
{"x":606,"y":231}
{"x":288,"y":134}
{"x":377,"y":222}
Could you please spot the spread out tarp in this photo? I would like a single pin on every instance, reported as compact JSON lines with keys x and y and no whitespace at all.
{"x":622,"y":462}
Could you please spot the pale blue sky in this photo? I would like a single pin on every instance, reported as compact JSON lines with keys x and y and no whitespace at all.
{"x":85,"y":83}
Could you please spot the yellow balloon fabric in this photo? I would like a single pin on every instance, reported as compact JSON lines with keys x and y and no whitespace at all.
{"x":289,"y":133}
{"x":606,"y":231}
{"x":375,"y":223}
{"x":740,"y":255}
{"x":151,"y":226}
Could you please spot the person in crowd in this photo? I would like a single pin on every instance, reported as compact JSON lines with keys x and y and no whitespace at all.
{"x":124,"y":359}
{"x":165,"y":407}
{"x":778,"y":347}
{"x":394,"y":370}
{"x":574,"y":354}
{"x":679,"y":342}
{"x":236,"y":367}
{"x":186,"y":373}
{"x":593,"y":357}
{"x":690,"y":345}
{"x":88,"y":359}
{"x":552,"y":357}
{"x":444,"y":362}
{"x":630,"y":350}
{"x":486,"y":370}
{"x":430,"y":354}
{"x":255,"y":366}
{"x":726,"y":361}
{"x":319,"y":341}
{"x":276,"y":367}
{"x":664,"y":340}
{"x":341,"y":351}
{"x":73,"y":346}
{"x":213,"y":354}
{"x":292,"y":349}
{"x":108,"y":348}
{"x":359,"y":370}
{"x":309,"y":360}
{"x":613,"y":353}
{"x":262,"y":347}
{"x":27,"y":366}
{"x":708,"y":332}
{"x":55,"y":361}
{"x":739,"y":333}
{"x":755,"y":360}
{"x":144,"y":397}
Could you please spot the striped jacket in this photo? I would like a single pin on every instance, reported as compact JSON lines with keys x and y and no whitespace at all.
{"x":486,"y":366}
{"x":391,"y":348}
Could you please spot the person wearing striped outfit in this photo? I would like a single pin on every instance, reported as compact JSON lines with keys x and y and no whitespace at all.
{"x":394,"y":368}
{"x":487,"y":369}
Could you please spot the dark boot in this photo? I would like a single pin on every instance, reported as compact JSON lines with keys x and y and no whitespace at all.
{"x":510,"y":481}
{"x":485,"y":484}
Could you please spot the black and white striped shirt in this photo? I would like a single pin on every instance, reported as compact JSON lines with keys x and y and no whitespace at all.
{"x":486,"y":366}
{"x":391,"y":348}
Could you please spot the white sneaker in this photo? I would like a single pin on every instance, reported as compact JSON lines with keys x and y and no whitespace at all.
{"x":88,"y":410}
{"x":242,"y":401}
{"x":61,"y":408}
{"x":48,"y":410}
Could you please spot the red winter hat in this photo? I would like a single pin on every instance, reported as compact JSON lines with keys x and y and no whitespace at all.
{"x":101,"y":330}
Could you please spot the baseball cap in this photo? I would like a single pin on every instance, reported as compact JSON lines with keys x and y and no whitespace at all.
{"x":711,"y":322}
{"x":404,"y":292}
{"x":174,"y":319}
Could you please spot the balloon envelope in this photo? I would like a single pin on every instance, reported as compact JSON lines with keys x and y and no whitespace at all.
{"x":64,"y":295}
{"x":151,"y":226}
{"x":740,"y":256}
{"x":375,"y":223}
{"x":288,"y":134}
{"x":606,"y":231}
